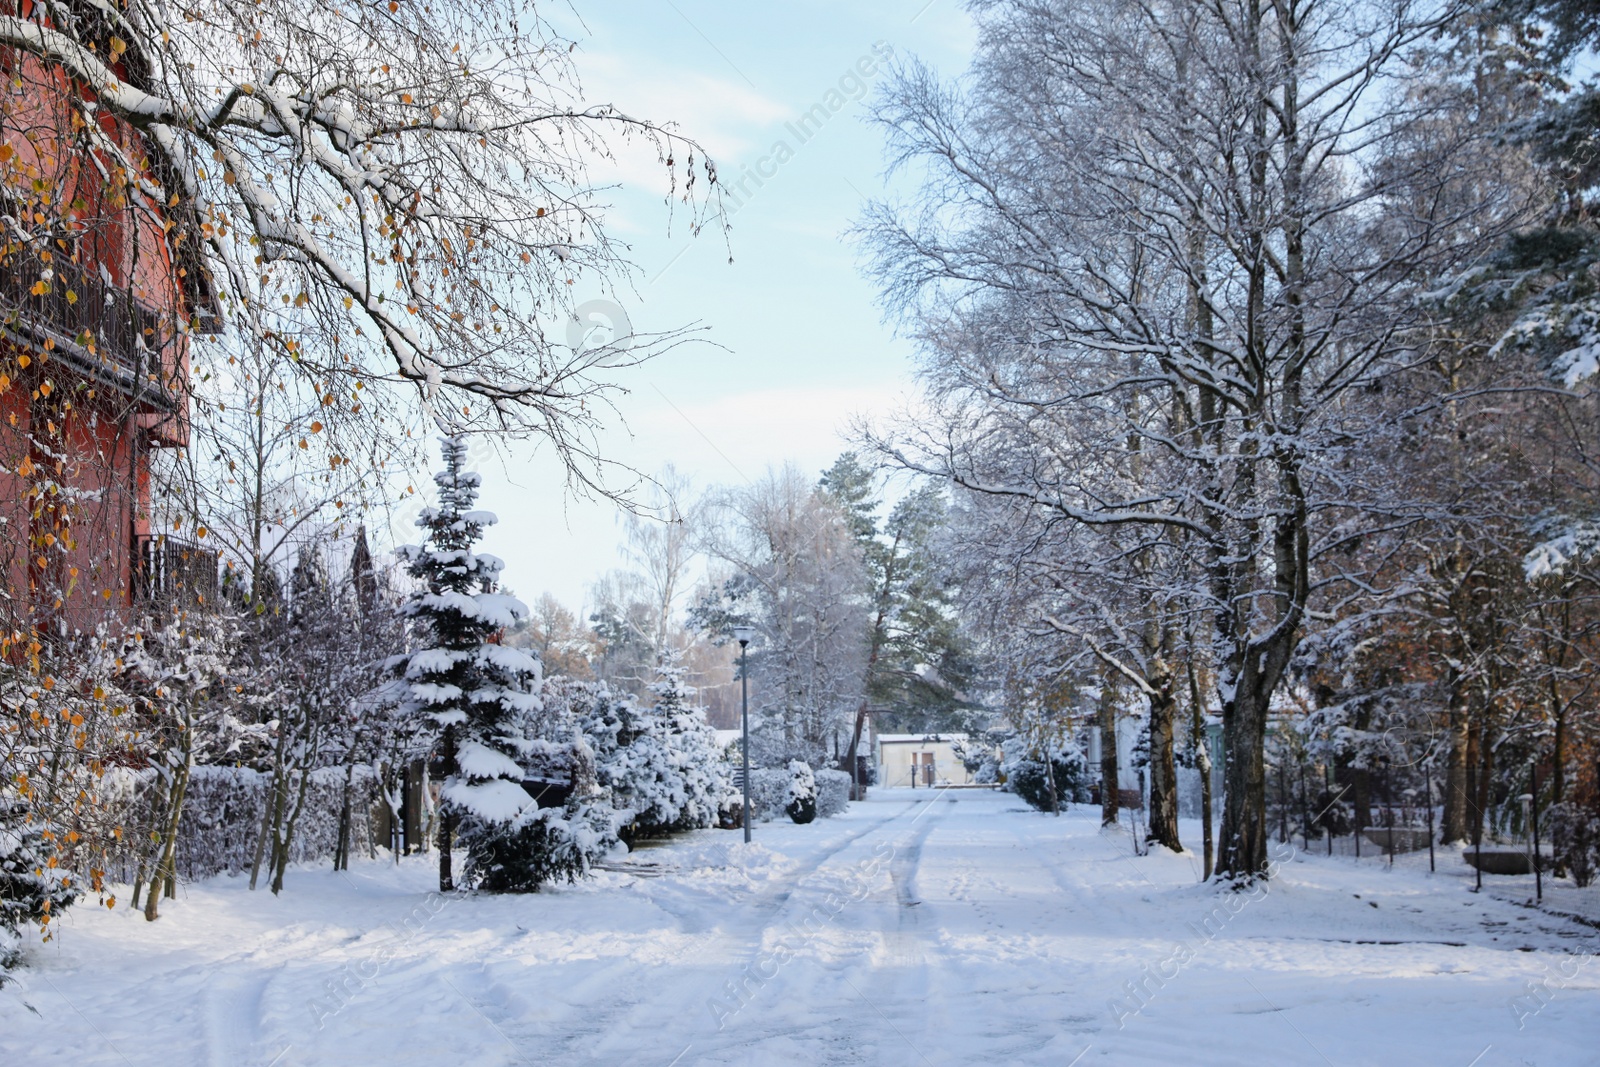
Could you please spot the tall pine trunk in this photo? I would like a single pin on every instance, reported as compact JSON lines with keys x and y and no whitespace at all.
{"x":447,"y":821}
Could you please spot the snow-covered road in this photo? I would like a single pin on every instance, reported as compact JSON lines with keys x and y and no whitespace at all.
{"x":914,"y":929}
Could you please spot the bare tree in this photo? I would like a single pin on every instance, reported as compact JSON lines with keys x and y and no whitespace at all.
{"x":386,"y":192}
{"x":1160,"y":251}
{"x":797,"y":577}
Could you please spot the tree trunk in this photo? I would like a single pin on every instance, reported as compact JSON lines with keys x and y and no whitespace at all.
{"x":1257,"y":669}
{"x":857,"y":790}
{"x":447,"y":821}
{"x":1485,"y":797}
{"x":1456,"y":801}
{"x":341,"y":851}
{"x":267,"y":810}
{"x":1202,"y":762}
{"x":1243,"y":852}
{"x":286,"y":838}
{"x":148,"y":855}
{"x":1163,"y":827}
{"x":165,"y":876}
{"x":1108,"y":754}
{"x":1050,"y":781}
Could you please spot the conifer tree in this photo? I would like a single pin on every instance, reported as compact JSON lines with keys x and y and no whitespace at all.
{"x":635,"y":763}
{"x":692,"y":745}
{"x":472,"y":689}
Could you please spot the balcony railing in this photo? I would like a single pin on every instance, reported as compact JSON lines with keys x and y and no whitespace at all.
{"x":59,"y":298}
{"x":175,"y":572}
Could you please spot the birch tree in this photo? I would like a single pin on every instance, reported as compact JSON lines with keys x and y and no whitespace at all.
{"x":388,"y":193}
{"x":1159,"y":251}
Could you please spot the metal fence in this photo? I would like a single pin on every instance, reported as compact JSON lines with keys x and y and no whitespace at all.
{"x":176,"y":572}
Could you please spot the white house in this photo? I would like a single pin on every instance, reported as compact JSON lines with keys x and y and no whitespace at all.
{"x":919,"y":761}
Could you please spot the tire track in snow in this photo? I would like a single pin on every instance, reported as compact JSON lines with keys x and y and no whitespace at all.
{"x":232,"y":1019}
{"x":626,"y":998}
{"x":893,"y":981}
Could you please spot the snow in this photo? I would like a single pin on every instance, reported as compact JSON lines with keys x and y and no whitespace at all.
{"x":509,"y":659}
{"x":434,"y":661}
{"x":916,"y":928}
{"x":492,"y":609}
{"x":497,"y":801}
{"x":430,"y":693}
{"x":481,"y":761}
{"x":1566,"y":542}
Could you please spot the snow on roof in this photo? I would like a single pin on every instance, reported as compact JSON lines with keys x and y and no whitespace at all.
{"x":934,"y":738}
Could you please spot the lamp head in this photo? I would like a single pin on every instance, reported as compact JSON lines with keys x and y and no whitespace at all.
{"x":744,"y":634}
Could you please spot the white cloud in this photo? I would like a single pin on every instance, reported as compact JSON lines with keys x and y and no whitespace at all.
{"x":736,"y":435}
{"x":724,"y":115}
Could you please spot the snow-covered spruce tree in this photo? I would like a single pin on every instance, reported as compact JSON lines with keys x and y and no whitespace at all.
{"x":566,"y":837}
{"x":802,"y":806}
{"x":473,"y":690}
{"x":1022,"y":767}
{"x":33,"y":889}
{"x":635,"y":762}
{"x":692,"y":745}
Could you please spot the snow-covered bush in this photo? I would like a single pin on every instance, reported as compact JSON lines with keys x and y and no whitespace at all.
{"x":222,"y":815}
{"x":1575,"y":834}
{"x":564,"y":838}
{"x":660,"y":763}
{"x":60,"y":714}
{"x":1025,"y":774}
{"x":769,"y":792}
{"x":802,"y":803}
{"x":833,"y":792}
{"x":33,"y":888}
{"x":981,"y":754}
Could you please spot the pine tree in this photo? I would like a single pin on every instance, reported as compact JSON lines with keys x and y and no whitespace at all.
{"x":692,"y":745}
{"x":32,"y":888}
{"x":635,"y":762}
{"x":473,"y":690}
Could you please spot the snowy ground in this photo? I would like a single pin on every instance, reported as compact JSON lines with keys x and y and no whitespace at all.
{"x":961,"y":930}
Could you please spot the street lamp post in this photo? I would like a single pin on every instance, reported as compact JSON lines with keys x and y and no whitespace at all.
{"x":743,"y":634}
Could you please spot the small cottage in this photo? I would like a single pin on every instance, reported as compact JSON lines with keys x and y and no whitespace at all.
{"x":917,"y":761}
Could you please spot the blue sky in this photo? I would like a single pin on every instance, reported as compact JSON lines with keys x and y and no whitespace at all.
{"x":803,"y":348}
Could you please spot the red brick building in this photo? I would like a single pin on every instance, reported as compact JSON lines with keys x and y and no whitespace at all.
{"x":101,"y":292}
